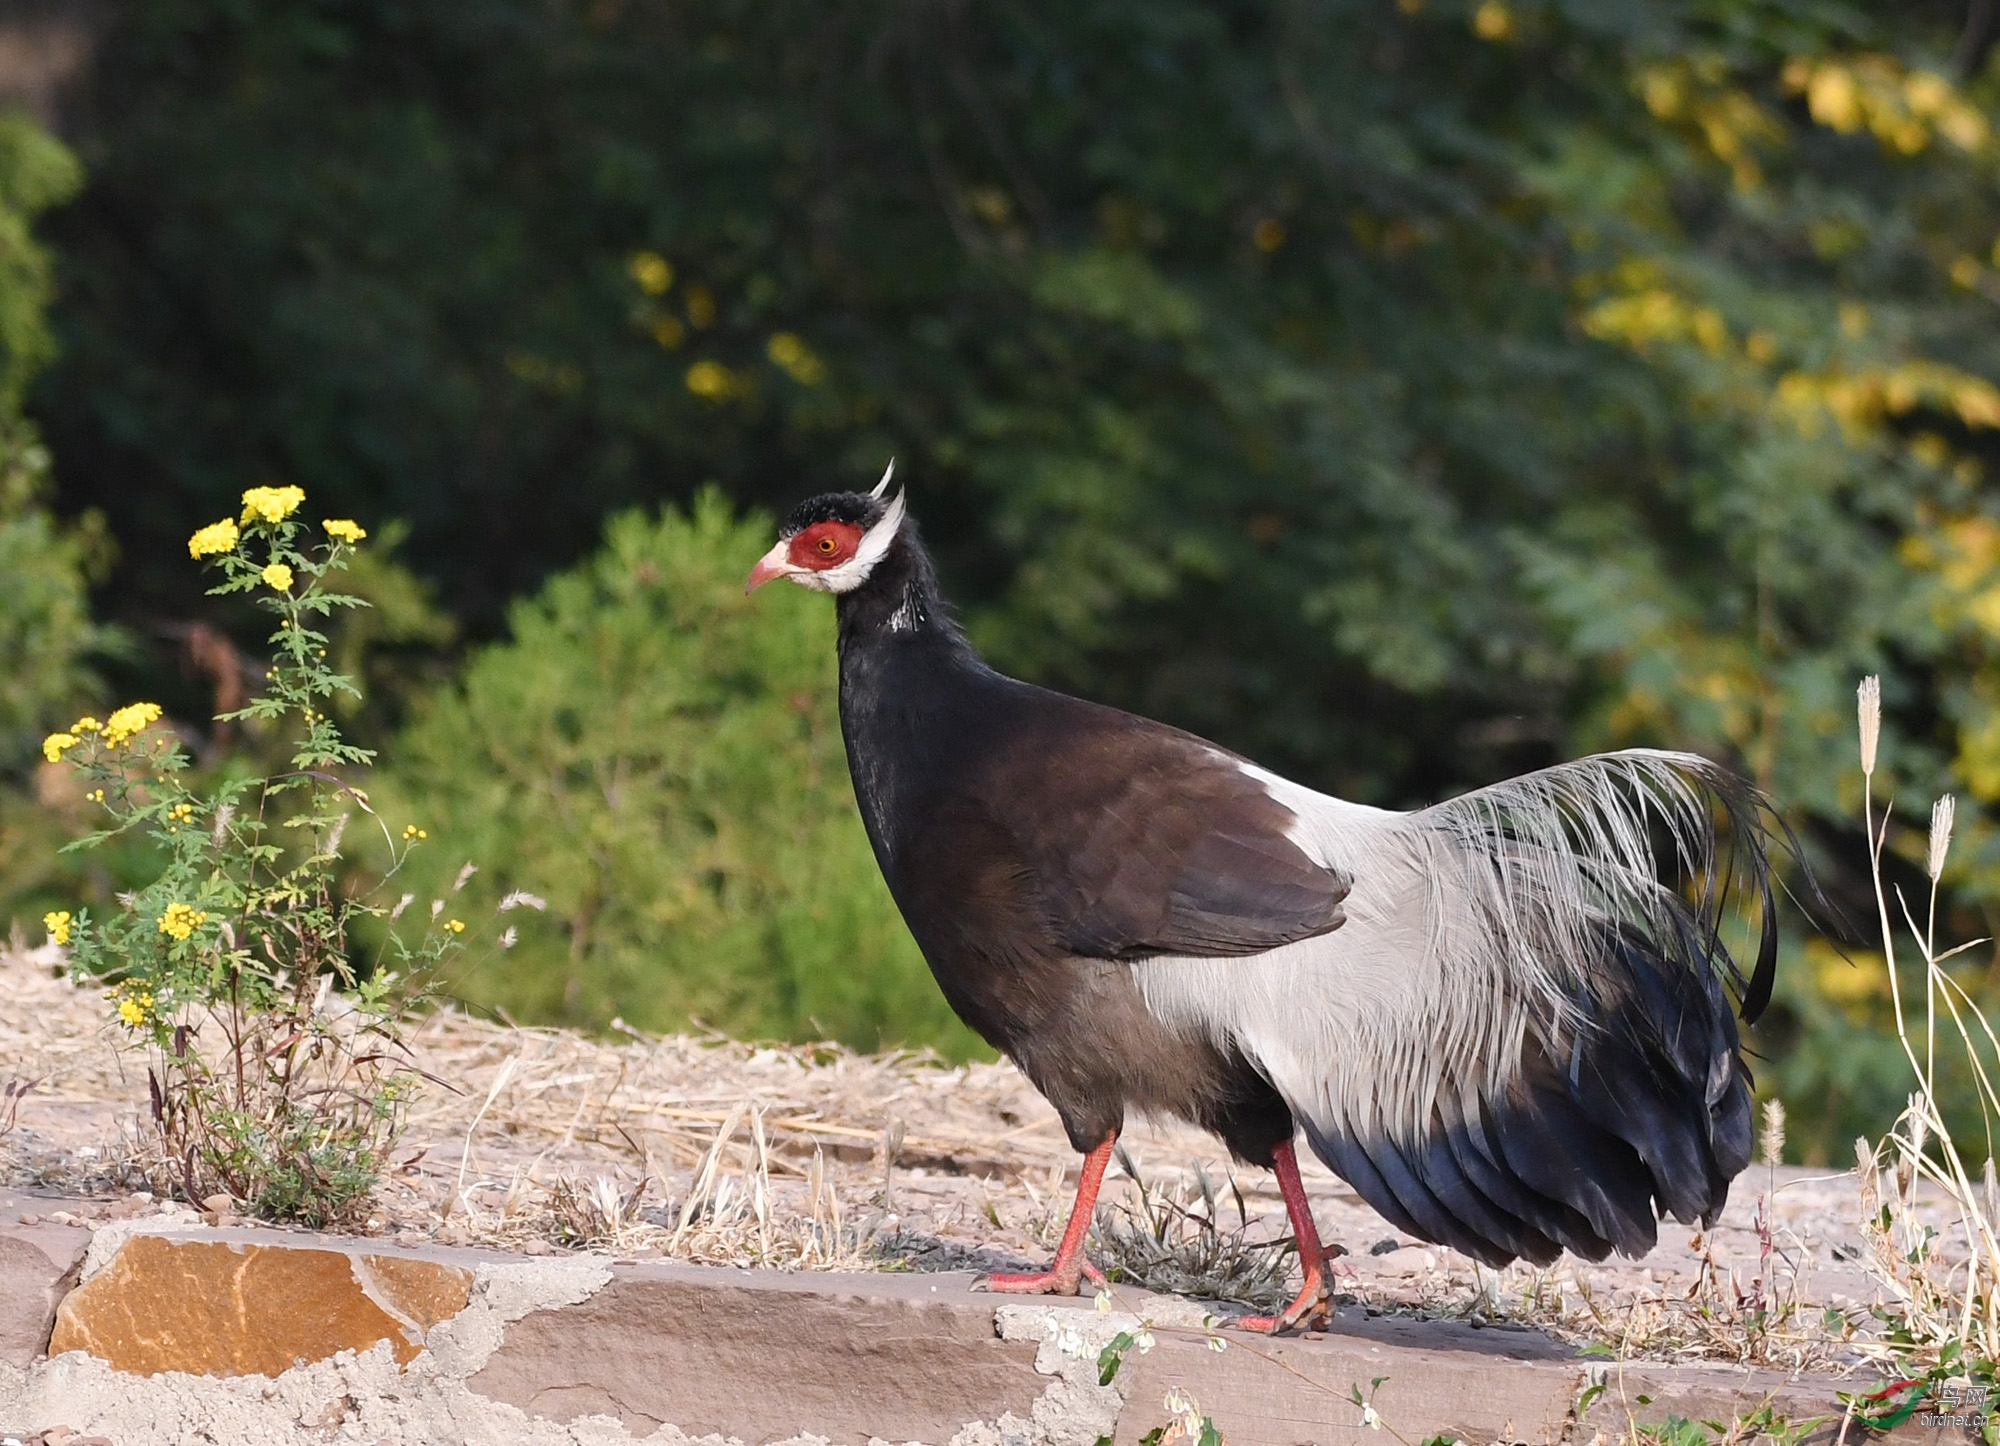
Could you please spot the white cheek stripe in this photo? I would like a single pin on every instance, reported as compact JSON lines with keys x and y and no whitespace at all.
{"x":874,"y":544}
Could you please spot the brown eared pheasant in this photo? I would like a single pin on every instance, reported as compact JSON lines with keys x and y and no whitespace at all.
{"x":1501,"y":1019}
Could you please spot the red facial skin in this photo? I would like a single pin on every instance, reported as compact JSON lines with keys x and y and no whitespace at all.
{"x":823,"y":545}
{"x":818,"y":548}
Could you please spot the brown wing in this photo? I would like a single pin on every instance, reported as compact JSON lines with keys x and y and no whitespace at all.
{"x":1140,"y":839}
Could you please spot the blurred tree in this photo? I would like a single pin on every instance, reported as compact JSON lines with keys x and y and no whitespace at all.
{"x":658,"y":759}
{"x":1405,"y":392}
{"x":45,"y":627}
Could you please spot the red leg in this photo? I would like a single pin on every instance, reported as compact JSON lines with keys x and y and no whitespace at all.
{"x":1314,"y":1301}
{"x":1070,"y":1267}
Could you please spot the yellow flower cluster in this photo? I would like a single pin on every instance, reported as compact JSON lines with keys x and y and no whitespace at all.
{"x":180,"y":920}
{"x":132,"y":718}
{"x":1493,"y":21}
{"x":1903,"y":108}
{"x":277,"y":575}
{"x":271,"y":504}
{"x":711,"y":380}
{"x":457,"y":926}
{"x":57,"y":923}
{"x":179,"y":814}
{"x":652,"y":271}
{"x":791,"y":353}
{"x":1653,"y":315}
{"x":135,"y":1003}
{"x":345,"y":531}
{"x":1861,"y":400}
{"x":216,"y":537}
{"x":410,"y":831}
{"x":1696,"y":94}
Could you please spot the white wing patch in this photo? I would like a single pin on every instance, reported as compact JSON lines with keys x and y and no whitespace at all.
{"x":1469,"y":925}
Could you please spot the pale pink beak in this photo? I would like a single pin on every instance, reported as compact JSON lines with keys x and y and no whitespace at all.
{"x":771,"y":566}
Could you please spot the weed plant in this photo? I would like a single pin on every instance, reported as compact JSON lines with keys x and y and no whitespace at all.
{"x":1941,"y":1319}
{"x":277,"y":1074}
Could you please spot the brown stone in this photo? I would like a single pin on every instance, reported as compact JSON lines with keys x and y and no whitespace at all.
{"x":210,"y":1308}
{"x":765,"y":1357}
{"x":38,"y":1264}
{"x":421,"y":1292}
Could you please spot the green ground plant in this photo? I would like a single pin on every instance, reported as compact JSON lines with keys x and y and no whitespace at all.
{"x":276,"y":1071}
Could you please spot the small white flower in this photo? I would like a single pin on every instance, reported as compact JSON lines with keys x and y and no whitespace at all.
{"x":1217,"y":1344}
{"x":1103,"y":1302}
{"x":1371,"y":1418}
{"x":1143,"y":1340}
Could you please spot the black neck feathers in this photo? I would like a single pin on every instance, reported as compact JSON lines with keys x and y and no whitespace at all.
{"x":900,"y":598}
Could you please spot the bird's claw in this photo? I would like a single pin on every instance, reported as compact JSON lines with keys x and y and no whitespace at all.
{"x":1062,"y":1279}
{"x":1312,"y":1308}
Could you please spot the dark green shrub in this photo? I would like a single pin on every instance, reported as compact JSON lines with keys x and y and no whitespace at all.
{"x":661,"y":761}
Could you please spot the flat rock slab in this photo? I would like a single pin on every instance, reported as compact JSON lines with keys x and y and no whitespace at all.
{"x":170,"y":1328}
{"x":38,"y":1265}
{"x":241,"y":1308}
{"x":736,"y":1353}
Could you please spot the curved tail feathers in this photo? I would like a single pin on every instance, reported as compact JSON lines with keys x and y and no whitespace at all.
{"x":1629,"y":1098}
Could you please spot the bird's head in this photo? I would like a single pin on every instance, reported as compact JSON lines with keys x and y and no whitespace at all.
{"x":832,"y":542}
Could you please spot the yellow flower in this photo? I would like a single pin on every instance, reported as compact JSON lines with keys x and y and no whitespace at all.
{"x":791,"y":353}
{"x":57,"y":923}
{"x":216,"y":537}
{"x":130,"y":719}
{"x":85,"y":724}
{"x":1493,"y":21}
{"x":277,"y":575}
{"x":271,"y":504}
{"x":55,"y":743}
{"x":132,"y":1012}
{"x":410,"y":830}
{"x":341,"y":528}
{"x":652,"y":271}
{"x":457,"y":926}
{"x":180,"y":920}
{"x":711,"y":380}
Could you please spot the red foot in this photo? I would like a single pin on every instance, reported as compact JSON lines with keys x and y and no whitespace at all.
{"x":1070,"y":1268}
{"x":1311,"y":1308}
{"x":1314,"y":1302}
{"x":1047,"y":1282}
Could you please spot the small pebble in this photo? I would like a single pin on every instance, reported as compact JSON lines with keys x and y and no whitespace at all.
{"x":1408,"y":1260}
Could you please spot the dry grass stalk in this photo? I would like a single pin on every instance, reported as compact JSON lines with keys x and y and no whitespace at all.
{"x":1949,"y":1298}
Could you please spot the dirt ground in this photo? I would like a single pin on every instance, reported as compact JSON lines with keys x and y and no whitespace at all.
{"x":712,"y":1150}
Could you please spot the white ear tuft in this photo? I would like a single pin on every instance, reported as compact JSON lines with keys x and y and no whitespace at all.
{"x":883,"y":485}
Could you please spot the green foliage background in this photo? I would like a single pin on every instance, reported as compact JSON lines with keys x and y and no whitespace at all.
{"x":1405,"y":392}
{"x":657,"y":757}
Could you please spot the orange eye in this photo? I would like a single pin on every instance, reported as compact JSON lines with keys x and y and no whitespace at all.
{"x":828,"y":546}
